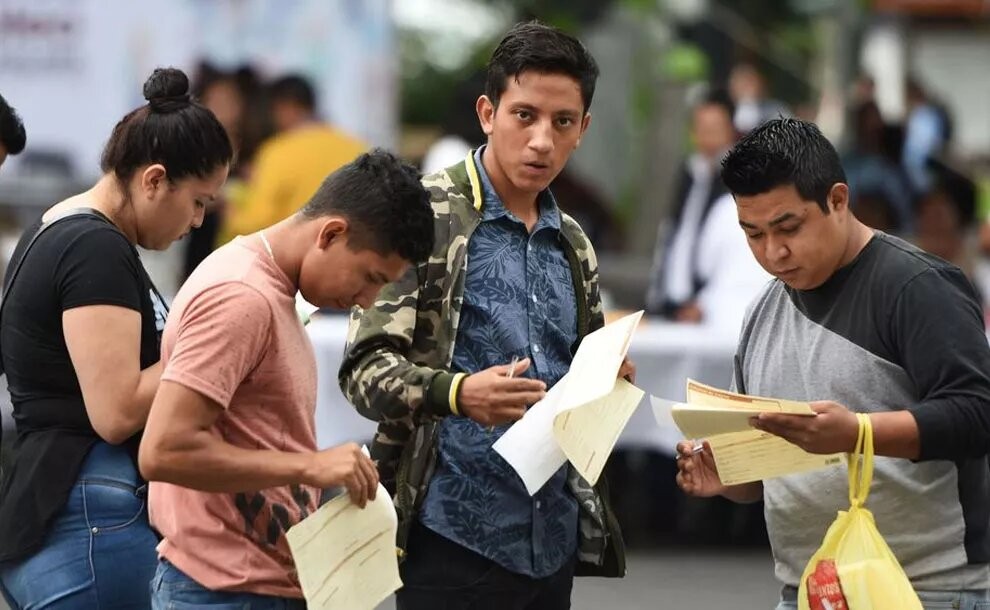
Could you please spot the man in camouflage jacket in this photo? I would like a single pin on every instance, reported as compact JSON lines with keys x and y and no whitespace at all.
{"x":398,"y":367}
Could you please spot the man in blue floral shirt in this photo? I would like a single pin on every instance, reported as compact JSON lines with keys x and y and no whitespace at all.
{"x":511,"y":276}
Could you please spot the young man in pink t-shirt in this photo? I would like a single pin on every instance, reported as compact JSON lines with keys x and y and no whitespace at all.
{"x":230,"y":443}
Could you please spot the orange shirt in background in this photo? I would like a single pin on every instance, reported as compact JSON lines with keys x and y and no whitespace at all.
{"x":285,"y":173}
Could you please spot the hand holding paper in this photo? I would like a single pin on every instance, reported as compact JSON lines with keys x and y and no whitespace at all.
{"x":742,"y":454}
{"x":581,"y":417}
{"x":498,"y":395}
{"x":345,"y":555}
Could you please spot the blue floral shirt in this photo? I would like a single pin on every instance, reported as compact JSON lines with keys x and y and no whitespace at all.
{"x":518,"y":301}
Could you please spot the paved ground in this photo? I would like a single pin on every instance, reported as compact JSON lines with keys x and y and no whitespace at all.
{"x":706,"y":580}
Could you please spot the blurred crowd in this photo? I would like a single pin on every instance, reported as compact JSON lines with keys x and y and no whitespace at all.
{"x":283,"y":152}
{"x":902,"y":177}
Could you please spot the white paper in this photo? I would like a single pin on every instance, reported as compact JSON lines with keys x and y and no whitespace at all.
{"x":670,"y":435}
{"x":581,"y":417}
{"x":529,"y":445}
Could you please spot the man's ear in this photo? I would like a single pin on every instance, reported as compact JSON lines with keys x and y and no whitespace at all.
{"x":838,"y":197}
{"x":585,"y":122}
{"x":333,"y":228}
{"x":486,"y":114}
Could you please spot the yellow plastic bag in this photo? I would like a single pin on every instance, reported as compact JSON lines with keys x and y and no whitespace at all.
{"x":854,"y":569}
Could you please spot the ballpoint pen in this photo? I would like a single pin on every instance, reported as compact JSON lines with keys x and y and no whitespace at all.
{"x":512,"y":367}
{"x":509,"y":375}
{"x":697,"y":448}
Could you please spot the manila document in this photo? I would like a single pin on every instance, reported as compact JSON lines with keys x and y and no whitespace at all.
{"x":345,"y":556}
{"x":742,"y":454}
{"x":581,"y":417}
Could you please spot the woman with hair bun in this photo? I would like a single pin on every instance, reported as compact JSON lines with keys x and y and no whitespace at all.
{"x":80,"y":328}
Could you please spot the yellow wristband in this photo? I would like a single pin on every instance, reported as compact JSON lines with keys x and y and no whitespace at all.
{"x":455,"y":385}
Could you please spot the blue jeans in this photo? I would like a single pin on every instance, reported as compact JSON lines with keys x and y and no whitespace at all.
{"x":931,"y":600}
{"x":99,"y":552}
{"x":171,"y":589}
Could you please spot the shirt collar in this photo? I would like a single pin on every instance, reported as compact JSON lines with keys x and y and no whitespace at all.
{"x":493,"y":207}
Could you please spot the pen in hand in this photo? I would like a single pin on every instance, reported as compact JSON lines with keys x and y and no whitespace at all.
{"x":512,"y":367}
{"x":509,"y":375}
{"x":696,"y":448}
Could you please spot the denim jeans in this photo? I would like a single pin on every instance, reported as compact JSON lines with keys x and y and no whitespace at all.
{"x":99,"y":552}
{"x":171,"y":589}
{"x":931,"y":600}
{"x":440,"y":574}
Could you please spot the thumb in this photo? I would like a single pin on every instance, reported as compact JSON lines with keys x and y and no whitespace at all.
{"x":821,"y":406}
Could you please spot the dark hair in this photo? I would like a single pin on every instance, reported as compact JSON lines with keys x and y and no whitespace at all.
{"x":383,"y":199}
{"x":171,"y":129}
{"x":781,"y":152}
{"x":541,"y":48}
{"x":12,"y":134}
{"x":719,"y":98}
{"x":293,"y":88}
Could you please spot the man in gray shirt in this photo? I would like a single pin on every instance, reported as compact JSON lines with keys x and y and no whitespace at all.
{"x":859,"y":321}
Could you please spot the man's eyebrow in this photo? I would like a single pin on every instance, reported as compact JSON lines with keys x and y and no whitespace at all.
{"x":783,"y":218}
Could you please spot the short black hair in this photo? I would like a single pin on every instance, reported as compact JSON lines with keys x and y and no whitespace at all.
{"x":781,"y":152}
{"x":383,"y":199}
{"x":12,"y":134}
{"x":171,"y":129}
{"x":293,"y":88}
{"x":534,"y":46}
{"x":719,"y":98}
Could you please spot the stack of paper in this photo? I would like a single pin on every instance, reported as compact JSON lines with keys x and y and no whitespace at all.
{"x":581,"y":416}
{"x":742,"y":454}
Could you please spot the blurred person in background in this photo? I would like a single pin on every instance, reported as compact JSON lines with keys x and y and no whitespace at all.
{"x":236,"y":98}
{"x":944,"y":217}
{"x":698,"y":274}
{"x":291,"y":165}
{"x":459,"y":130}
{"x":12,"y":135}
{"x":230,"y":445}
{"x":754,"y":106}
{"x":80,"y":341}
{"x":879,"y":190}
{"x":927,"y":133}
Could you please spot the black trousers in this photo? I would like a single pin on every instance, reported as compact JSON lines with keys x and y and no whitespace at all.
{"x":442,"y":575}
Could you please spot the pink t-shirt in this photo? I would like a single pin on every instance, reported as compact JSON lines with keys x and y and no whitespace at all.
{"x":233,"y":335}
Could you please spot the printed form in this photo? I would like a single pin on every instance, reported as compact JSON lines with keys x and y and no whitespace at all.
{"x":581,"y":417}
{"x":345,"y":556}
{"x":741,"y":453}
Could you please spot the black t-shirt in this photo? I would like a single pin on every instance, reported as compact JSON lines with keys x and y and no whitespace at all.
{"x":82,"y":260}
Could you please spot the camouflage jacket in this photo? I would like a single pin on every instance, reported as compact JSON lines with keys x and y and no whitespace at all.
{"x":396,"y":366}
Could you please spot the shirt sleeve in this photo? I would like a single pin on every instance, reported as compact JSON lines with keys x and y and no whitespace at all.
{"x":98,"y":267}
{"x":219,"y":338}
{"x":939,"y":333}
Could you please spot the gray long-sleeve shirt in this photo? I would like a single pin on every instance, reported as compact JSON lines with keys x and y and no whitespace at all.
{"x":895,"y":329}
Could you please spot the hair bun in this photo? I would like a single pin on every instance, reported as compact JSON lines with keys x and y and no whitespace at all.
{"x":167,"y":90}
